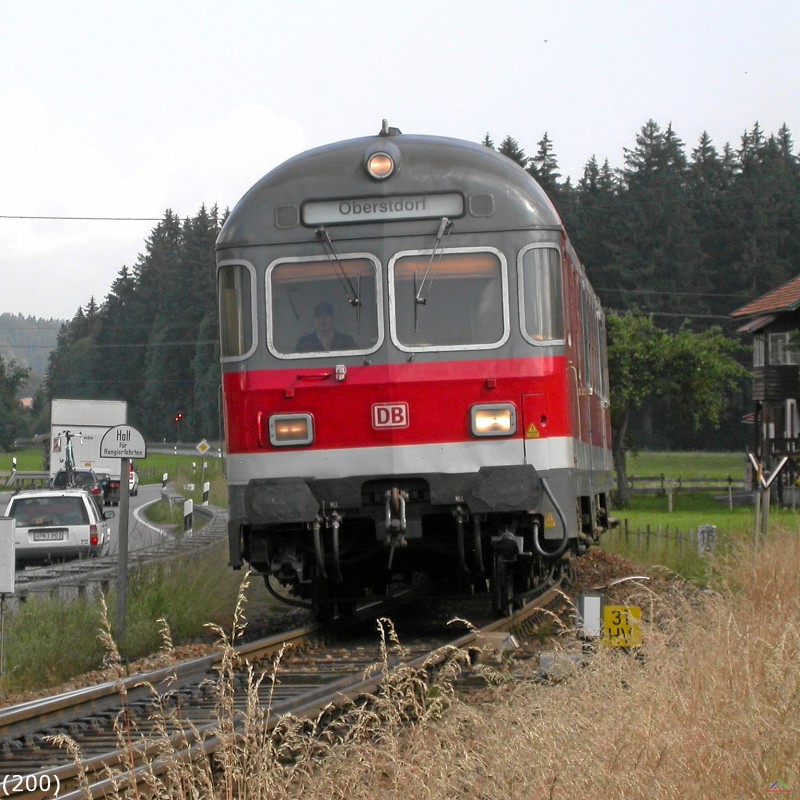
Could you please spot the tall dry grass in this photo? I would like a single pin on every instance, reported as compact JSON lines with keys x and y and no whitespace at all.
{"x":709,"y":708}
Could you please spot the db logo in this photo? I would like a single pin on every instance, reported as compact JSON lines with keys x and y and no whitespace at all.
{"x":390,"y":415}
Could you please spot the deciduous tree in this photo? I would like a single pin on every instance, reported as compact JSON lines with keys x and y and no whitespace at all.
{"x":12,"y":376}
{"x":697,"y":371}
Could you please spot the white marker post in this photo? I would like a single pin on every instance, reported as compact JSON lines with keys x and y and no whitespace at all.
{"x":7,"y":568}
{"x":203,"y":447}
{"x":188,"y":513}
{"x":125,"y":443}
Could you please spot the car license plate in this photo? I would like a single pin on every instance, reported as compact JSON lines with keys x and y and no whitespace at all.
{"x":49,"y":536}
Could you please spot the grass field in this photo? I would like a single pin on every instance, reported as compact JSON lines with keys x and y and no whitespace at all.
{"x":653,"y":535}
{"x":708,"y":707}
{"x":687,"y":465}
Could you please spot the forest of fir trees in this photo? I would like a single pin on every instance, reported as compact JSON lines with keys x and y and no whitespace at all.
{"x":684,"y":236}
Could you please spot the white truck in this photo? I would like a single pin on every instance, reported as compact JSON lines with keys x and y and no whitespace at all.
{"x":84,"y":423}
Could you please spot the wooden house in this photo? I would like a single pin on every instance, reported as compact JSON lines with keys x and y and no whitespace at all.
{"x":773,"y":320}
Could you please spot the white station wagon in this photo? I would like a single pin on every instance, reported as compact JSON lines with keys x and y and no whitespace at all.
{"x":56,"y":525}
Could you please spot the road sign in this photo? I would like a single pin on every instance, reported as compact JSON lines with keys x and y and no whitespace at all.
{"x":123,"y":442}
{"x":6,"y":555}
{"x":202,"y":447}
{"x":764,"y":481}
{"x":622,"y":625}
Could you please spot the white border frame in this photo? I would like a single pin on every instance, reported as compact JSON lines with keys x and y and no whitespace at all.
{"x":523,"y":327}
{"x":253,"y":309}
{"x":325,"y":353}
{"x":450,"y":347}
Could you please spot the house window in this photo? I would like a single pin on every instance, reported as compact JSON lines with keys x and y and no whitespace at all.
{"x":781,"y":349}
{"x":759,"y":350}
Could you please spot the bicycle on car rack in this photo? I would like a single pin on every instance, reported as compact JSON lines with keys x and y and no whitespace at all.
{"x":69,"y":457}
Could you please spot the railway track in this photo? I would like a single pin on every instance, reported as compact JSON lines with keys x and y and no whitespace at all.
{"x":122,"y":733}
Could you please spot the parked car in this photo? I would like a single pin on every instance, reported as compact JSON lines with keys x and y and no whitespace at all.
{"x":57,"y":525}
{"x":133,"y":482}
{"x":84,"y":479}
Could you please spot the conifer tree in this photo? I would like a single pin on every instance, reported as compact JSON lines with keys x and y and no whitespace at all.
{"x":510,"y":147}
{"x":544,"y":167}
{"x":593,"y":217}
{"x":657,"y":245}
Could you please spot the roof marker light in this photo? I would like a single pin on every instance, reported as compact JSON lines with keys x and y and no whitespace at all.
{"x":380,"y":166}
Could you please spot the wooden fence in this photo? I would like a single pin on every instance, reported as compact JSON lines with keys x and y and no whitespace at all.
{"x":701,"y":539}
{"x":661,"y":485}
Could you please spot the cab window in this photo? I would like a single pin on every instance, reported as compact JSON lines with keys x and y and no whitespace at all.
{"x":448,"y":300}
{"x":318,"y":307}
{"x":234,"y":285}
{"x":542,"y":303}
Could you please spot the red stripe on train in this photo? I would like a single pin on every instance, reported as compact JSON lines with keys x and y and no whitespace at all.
{"x":402,"y":404}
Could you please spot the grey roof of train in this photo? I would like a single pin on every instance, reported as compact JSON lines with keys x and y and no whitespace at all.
{"x":519,"y":199}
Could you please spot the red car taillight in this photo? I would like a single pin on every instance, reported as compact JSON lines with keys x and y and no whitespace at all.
{"x":94,"y":539}
{"x":95,"y":490}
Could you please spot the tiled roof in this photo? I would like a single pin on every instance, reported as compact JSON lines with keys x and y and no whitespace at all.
{"x":784,"y":298}
{"x":754,"y":324}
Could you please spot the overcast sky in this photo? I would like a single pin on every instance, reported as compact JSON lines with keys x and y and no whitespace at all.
{"x":112,"y":110}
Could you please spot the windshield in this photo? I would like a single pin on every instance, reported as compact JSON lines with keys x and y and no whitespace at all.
{"x":38,"y":511}
{"x":319,"y":307}
{"x":460,"y":305}
{"x":84,"y":479}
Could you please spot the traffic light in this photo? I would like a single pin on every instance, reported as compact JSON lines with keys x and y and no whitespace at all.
{"x":179,"y":416}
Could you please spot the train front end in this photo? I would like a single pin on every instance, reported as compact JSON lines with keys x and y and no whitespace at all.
{"x":399,"y":387}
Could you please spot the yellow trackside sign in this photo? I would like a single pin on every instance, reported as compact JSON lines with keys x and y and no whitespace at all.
{"x":622,"y":626}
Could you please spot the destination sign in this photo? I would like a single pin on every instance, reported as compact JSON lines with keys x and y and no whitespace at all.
{"x":377,"y":209}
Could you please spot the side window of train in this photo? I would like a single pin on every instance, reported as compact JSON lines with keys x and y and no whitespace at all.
{"x":448,"y":300}
{"x":599,"y":355}
{"x":235,"y":282}
{"x":317,"y":307}
{"x":541,"y":294}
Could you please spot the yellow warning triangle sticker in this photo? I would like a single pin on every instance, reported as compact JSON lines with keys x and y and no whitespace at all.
{"x":532,"y":432}
{"x":549,"y":521}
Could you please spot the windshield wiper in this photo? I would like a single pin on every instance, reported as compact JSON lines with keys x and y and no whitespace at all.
{"x":353,"y":293}
{"x":420,"y":295}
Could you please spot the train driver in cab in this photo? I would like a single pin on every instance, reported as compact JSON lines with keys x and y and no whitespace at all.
{"x":325,"y":337}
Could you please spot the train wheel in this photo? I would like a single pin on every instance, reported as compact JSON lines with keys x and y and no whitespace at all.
{"x":323,"y":602}
{"x":503,"y":588}
{"x":568,"y":573}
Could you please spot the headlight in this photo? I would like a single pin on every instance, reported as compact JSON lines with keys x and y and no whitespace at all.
{"x":291,"y":429}
{"x":380,"y":165}
{"x":494,"y":420}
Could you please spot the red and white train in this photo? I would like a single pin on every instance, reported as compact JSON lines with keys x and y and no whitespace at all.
{"x":414,"y":375}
